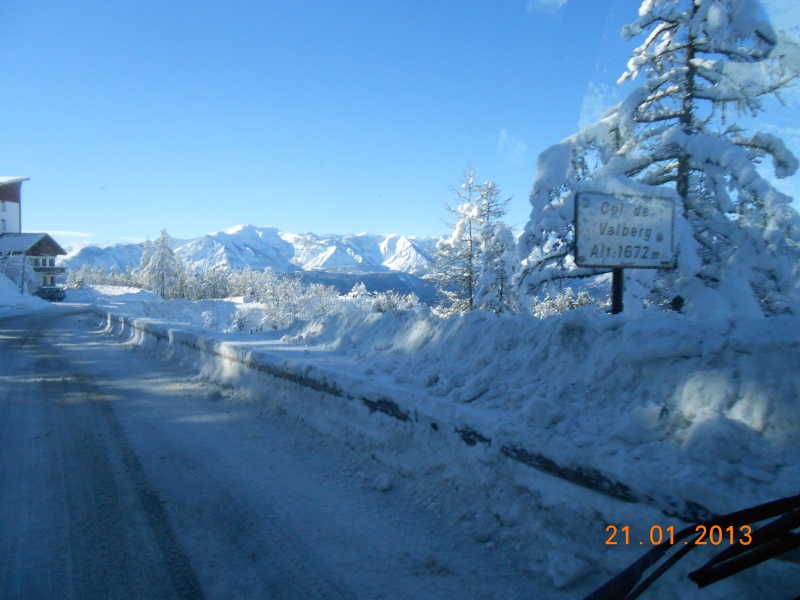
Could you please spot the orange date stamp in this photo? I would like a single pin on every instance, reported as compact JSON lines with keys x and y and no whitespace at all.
{"x":714,"y":535}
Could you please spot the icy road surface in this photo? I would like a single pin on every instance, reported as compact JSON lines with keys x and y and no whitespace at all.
{"x":123,"y":477}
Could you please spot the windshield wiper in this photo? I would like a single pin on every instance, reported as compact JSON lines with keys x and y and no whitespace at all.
{"x":768,"y":541}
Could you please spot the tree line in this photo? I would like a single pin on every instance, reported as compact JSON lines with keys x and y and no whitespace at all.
{"x":282,"y":298}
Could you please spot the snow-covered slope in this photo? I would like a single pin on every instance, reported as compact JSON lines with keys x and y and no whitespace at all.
{"x":362,"y":253}
{"x":406,"y":254}
{"x":239,"y":247}
{"x":120,"y":255}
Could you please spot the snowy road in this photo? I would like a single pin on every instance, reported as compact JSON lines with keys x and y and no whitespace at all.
{"x":124,"y":476}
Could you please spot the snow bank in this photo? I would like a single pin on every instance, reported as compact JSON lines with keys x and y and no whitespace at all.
{"x":114,"y":295}
{"x":12,"y":302}
{"x":494,"y":419}
{"x":713,"y":403}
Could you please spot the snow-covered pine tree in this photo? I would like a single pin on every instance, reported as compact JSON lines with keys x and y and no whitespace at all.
{"x":267,"y":286}
{"x":78,"y":278}
{"x":215,"y":282}
{"x":114,"y":277}
{"x":128,"y":277}
{"x":147,"y":253}
{"x":705,"y":63}
{"x":162,"y":272}
{"x":244,"y":282}
{"x":458,"y":259}
{"x":185,"y":283}
{"x":496,"y":291}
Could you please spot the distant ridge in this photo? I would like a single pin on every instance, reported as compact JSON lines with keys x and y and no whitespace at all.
{"x":339,"y":260}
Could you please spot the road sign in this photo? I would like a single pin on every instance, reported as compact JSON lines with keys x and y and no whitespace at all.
{"x":623,"y":231}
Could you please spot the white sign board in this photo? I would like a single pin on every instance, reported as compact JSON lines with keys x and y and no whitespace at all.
{"x":627,"y":231}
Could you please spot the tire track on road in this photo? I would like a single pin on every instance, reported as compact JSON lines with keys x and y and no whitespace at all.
{"x":80,"y":517}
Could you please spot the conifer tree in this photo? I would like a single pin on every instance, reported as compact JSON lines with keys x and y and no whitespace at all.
{"x":460,"y":259}
{"x":162,"y":272}
{"x":496,"y":290}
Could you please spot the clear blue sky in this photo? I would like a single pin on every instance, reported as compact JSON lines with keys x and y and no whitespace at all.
{"x":305,"y":115}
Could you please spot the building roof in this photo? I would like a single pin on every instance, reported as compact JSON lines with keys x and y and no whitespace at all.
{"x":35,"y":244}
{"x":10,"y":188}
{"x":10,"y":180}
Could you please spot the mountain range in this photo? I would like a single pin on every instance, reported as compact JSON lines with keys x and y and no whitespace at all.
{"x":381,"y":262}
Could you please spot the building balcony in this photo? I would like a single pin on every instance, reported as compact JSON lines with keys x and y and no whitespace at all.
{"x":48,"y":270}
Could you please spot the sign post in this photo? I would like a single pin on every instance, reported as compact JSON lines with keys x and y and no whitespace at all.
{"x":617,"y":287}
{"x":619,"y":232}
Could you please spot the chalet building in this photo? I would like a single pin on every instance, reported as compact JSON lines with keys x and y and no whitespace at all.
{"x":27,"y":258}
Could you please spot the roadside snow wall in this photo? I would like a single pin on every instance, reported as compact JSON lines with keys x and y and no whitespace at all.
{"x":637,"y":420}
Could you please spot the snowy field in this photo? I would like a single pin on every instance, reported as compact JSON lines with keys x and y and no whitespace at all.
{"x":650,"y":416}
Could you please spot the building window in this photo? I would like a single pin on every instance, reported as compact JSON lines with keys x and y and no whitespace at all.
{"x":2,"y":206}
{"x":2,"y":225}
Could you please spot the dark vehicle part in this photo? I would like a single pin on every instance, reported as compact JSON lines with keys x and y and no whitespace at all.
{"x":770,"y":540}
{"x":51,"y":293}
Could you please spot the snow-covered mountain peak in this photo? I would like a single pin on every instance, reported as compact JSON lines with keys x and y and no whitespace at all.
{"x":234,"y":230}
{"x":263,"y":247}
